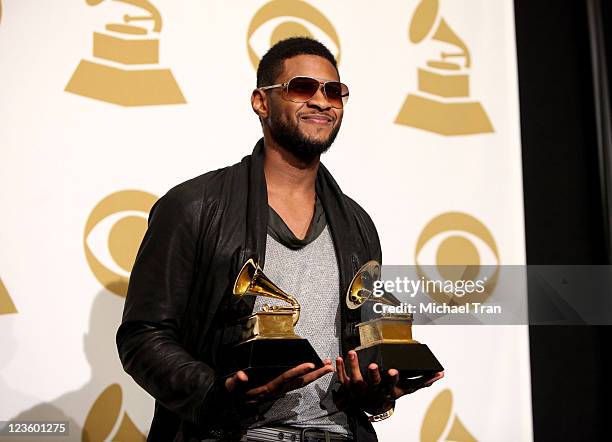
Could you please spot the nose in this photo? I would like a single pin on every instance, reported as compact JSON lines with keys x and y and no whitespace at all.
{"x":319,"y":100}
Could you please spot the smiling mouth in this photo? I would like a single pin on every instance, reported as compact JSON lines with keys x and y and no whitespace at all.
{"x":317,"y":119}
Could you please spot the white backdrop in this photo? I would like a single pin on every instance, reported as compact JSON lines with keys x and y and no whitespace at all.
{"x":65,"y":152}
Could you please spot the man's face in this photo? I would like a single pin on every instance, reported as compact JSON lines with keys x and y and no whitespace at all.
{"x":305,"y":129}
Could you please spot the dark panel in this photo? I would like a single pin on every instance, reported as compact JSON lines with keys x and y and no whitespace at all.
{"x":563,"y":214}
{"x":558,"y":133}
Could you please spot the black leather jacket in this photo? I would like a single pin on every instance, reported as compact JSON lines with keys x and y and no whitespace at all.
{"x":179,"y":297}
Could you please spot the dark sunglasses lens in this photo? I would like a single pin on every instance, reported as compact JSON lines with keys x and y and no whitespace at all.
{"x":302,"y":89}
{"x":337,"y":93}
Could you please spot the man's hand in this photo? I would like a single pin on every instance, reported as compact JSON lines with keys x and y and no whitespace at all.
{"x":376,"y":395}
{"x":292,"y":379}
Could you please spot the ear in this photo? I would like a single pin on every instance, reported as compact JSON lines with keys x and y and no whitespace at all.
{"x":259,"y":103}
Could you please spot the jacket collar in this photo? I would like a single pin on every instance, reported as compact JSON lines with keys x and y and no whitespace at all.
{"x":328,"y":191}
{"x":257,"y":207}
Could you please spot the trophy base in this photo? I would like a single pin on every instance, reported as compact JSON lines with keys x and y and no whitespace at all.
{"x":411,"y":360}
{"x":142,"y":87}
{"x":455,"y":118}
{"x":264,"y":359}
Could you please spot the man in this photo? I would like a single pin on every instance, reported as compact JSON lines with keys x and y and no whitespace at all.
{"x":282,"y":208}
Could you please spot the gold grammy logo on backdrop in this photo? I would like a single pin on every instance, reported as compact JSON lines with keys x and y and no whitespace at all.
{"x":104,"y":419}
{"x":294,"y":12}
{"x":443,"y":105}
{"x":122,"y":71}
{"x":464,"y":246}
{"x":437,"y":425}
{"x":6,"y":303}
{"x":125,"y":214}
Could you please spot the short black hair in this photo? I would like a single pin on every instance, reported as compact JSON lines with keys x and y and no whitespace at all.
{"x":271,"y":64}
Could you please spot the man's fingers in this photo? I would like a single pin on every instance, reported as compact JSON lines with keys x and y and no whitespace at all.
{"x":411,"y":385}
{"x":356,"y":377}
{"x":341,"y":369}
{"x":392,"y":382}
{"x":435,"y":378}
{"x":291,"y":374}
{"x":278,"y":384}
{"x":358,"y":384}
{"x":292,"y":379}
{"x":236,"y":382}
{"x":374,"y":374}
{"x":316,"y":374}
{"x":426,"y":382}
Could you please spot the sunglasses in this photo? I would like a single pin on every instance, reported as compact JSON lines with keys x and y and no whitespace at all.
{"x":302,"y":89}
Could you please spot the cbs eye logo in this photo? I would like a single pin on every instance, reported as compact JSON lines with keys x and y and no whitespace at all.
{"x":281,"y":19}
{"x":113,"y":233}
{"x":461,"y":248}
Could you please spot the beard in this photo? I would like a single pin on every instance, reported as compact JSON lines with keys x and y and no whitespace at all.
{"x":294,"y":141}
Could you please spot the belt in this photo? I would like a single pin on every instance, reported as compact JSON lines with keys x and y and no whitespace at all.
{"x":294,"y":434}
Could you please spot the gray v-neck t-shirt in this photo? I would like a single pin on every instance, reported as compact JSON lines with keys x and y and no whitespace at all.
{"x":308,"y":270}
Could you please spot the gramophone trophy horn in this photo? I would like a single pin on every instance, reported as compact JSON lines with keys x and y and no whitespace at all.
{"x":442,"y":103}
{"x":387,"y":340}
{"x":424,"y":19}
{"x":362,"y":288}
{"x":267,"y":345}
{"x":253,"y":282}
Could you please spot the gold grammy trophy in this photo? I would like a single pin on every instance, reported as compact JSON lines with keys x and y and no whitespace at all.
{"x":122,"y":71}
{"x":268,"y":344}
{"x":387,"y":340}
{"x":443,"y":106}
